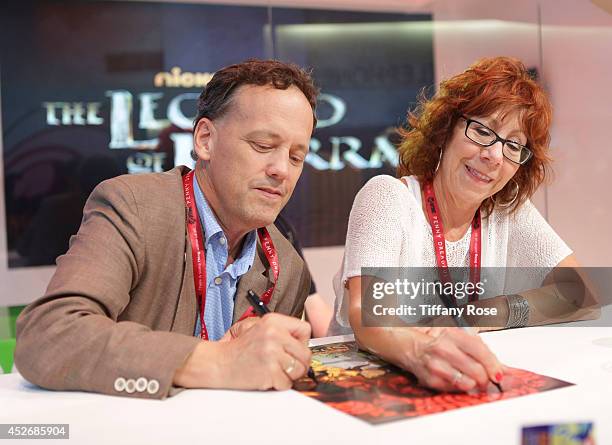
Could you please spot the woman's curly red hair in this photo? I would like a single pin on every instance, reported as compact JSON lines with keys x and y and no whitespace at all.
{"x":489,"y":85}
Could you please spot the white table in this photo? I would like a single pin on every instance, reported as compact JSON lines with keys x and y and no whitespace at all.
{"x":581,"y":355}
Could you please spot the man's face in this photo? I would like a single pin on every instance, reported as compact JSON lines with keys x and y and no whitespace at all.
{"x":254,"y":154}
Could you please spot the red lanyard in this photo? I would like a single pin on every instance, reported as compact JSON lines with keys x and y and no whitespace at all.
{"x":433,"y":213}
{"x":198,"y":254}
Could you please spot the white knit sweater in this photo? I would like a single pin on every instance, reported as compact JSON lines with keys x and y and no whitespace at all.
{"x":388,"y":228}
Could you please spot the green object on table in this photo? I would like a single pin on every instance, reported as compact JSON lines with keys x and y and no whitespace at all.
{"x":7,"y":348}
{"x":14,"y":312}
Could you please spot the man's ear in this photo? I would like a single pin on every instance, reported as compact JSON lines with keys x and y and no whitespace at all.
{"x":202,"y":137}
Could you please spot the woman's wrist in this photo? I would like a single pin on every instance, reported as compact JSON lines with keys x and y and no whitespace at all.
{"x":393,"y":344}
{"x":409,"y":345}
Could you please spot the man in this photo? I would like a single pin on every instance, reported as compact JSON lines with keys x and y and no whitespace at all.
{"x":164,"y":260}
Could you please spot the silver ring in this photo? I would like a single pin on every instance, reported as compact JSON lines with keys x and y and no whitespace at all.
{"x":458,"y":376}
{"x":291,"y":366}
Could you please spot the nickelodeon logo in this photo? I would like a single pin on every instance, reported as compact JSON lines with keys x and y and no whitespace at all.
{"x":177,"y":78}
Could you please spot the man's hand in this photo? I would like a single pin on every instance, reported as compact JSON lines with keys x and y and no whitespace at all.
{"x":257,"y":353}
{"x":239,"y":328}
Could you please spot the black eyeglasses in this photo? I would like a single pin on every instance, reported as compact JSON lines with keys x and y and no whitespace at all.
{"x":485,"y":137}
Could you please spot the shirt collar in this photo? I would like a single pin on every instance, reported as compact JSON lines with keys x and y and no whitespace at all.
{"x":209,"y":221}
{"x":213,"y":231}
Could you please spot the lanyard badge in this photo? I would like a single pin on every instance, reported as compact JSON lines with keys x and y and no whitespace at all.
{"x":198,"y":254}
{"x":439,"y":242}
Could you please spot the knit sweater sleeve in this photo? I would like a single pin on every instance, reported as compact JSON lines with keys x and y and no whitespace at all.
{"x":374,"y":238}
{"x":375,"y":235}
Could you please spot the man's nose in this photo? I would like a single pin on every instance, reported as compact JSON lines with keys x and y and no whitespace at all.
{"x":278,"y":165}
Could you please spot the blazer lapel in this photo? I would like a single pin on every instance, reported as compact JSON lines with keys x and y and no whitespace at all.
{"x":280,"y":288}
{"x":186,"y":308}
{"x":258,"y":279}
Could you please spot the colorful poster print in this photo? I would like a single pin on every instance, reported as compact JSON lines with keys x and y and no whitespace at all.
{"x":364,"y":386}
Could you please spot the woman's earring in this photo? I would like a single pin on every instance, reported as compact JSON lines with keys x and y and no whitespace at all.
{"x":439,"y":160}
{"x":508,"y":204}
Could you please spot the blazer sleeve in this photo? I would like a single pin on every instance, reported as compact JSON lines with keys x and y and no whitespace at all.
{"x":70,"y":338}
{"x":304,"y":291}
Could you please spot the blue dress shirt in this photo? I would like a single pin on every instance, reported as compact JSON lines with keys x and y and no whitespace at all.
{"x":221,"y":281}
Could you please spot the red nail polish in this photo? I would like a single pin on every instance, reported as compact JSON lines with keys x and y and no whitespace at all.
{"x":498,"y":377}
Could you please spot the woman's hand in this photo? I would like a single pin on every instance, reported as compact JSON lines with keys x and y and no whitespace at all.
{"x":443,"y":358}
{"x":451,"y":359}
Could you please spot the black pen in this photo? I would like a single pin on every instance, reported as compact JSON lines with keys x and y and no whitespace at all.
{"x":261,"y":309}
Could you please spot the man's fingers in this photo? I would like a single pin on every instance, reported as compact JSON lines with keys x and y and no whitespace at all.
{"x":273,"y":348}
{"x":299,"y":329}
{"x":293,"y":367}
{"x":287,"y":369}
{"x":237,"y":329}
{"x":299,"y":351}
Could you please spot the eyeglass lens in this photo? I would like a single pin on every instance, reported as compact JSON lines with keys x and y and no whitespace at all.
{"x":485,"y":136}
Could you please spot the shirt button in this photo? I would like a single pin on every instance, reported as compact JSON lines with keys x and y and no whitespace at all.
{"x":222,"y":241}
{"x":218,"y":280}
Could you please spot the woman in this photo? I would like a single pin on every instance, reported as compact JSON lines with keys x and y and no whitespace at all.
{"x":476,"y":152}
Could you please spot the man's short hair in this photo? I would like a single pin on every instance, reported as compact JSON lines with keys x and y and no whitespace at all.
{"x":217,"y":95}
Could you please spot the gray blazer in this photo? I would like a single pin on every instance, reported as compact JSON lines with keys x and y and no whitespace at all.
{"x":119,"y":314}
